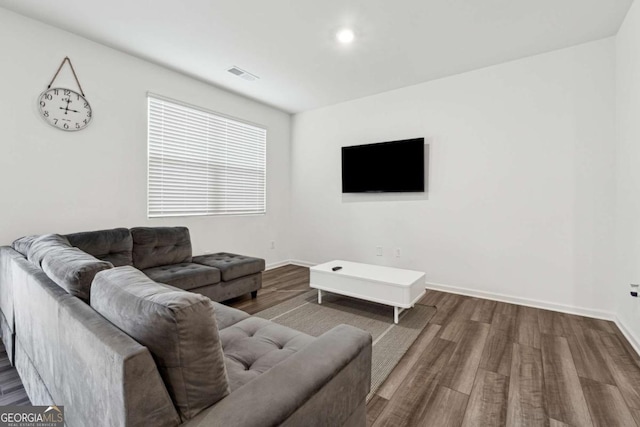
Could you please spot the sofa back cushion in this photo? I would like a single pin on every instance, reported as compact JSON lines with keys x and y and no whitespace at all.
{"x":114,"y":246}
{"x":23,"y":244}
{"x":42,"y":244}
{"x":178,"y":327}
{"x":73,"y":270}
{"x":156,"y":246}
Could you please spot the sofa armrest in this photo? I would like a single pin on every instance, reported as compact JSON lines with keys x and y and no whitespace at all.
{"x":322,"y":384}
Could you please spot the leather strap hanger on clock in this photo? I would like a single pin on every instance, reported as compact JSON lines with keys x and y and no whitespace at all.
{"x":66,"y":59}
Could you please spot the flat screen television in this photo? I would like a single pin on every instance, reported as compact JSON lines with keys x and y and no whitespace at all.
{"x":385,"y":167}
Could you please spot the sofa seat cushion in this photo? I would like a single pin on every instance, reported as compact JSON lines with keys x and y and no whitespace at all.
{"x":253,"y":346}
{"x":157,"y":246}
{"x":73,"y":269}
{"x":232,"y":266}
{"x":179,"y":329}
{"x":227,"y":316}
{"x":184,"y":276}
{"x":114,"y":246}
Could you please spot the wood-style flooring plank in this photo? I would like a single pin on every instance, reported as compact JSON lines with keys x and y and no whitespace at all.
{"x":606,"y":405}
{"x":504,"y":319}
{"x":527,"y":328}
{"x":488,"y":401}
{"x":432,"y":297}
{"x":464,"y":310}
{"x":599,"y":324}
{"x":554,"y":323}
{"x":483,"y":311}
{"x":406,"y":365}
{"x":526,"y":403}
{"x":445,"y":408}
{"x":506,"y":309}
{"x":278,"y":285}
{"x":16,"y":397}
{"x":375,"y":407}
{"x":624,"y":368}
{"x":556,"y":423}
{"x":410,"y":402}
{"x":625,"y":343}
{"x":446,"y":308}
{"x":587,"y":351}
{"x":460,"y":372}
{"x":496,"y":356}
{"x":565,"y":399}
{"x":453,"y":331}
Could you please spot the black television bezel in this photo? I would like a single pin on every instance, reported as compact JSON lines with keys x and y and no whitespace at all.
{"x":400,"y":141}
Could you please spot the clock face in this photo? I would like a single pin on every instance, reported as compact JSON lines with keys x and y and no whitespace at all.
{"x":65,"y":109}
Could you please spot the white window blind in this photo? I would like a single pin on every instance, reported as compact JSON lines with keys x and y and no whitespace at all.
{"x":201,"y":163}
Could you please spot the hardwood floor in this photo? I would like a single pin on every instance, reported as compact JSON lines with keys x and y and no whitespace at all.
{"x":485,"y":363}
{"x":11,"y":389}
{"x":537,"y":368}
{"x":488,"y":363}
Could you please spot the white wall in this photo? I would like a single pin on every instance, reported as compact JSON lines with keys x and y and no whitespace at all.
{"x":54,"y":181}
{"x":627,"y":264}
{"x":521,"y":173}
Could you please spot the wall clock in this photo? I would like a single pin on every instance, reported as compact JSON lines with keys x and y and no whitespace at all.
{"x":64,"y":108}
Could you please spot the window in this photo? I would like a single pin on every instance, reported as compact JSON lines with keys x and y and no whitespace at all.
{"x":201,"y":163}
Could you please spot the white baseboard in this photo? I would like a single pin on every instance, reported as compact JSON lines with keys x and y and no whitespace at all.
{"x":302,"y":263}
{"x":289,"y":262}
{"x":627,"y":334}
{"x":599,"y":314}
{"x":277,"y":264}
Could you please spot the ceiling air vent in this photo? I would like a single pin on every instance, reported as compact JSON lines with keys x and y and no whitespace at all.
{"x":243,"y":74}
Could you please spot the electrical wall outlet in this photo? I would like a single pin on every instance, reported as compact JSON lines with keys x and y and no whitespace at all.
{"x":634,"y":290}
{"x":378,"y":250}
{"x":397,"y":252}
{"x":273,"y":244}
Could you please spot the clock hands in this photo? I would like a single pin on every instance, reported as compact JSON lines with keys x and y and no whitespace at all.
{"x":67,"y":109}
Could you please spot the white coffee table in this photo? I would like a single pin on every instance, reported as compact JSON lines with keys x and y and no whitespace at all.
{"x":398,"y":288}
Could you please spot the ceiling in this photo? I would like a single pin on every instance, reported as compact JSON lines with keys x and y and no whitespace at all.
{"x":291,"y":46}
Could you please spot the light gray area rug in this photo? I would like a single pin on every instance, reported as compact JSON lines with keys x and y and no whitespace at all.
{"x":390,"y":341}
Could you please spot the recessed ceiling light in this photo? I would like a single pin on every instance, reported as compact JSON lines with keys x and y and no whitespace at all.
{"x":345,"y":36}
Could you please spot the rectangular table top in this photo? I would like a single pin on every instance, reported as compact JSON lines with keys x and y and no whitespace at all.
{"x":376,"y":273}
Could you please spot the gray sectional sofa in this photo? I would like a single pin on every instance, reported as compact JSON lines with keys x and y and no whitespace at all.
{"x":137,"y":352}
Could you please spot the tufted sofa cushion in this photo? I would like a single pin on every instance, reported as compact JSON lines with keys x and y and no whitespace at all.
{"x":185,"y":276}
{"x":231,"y":266}
{"x":156,"y":246}
{"x":253,"y":346}
{"x":178,"y":327}
{"x":114,"y":246}
{"x":43,"y":244}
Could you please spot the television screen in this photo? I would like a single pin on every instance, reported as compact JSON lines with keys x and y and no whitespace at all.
{"x":395,"y":167}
